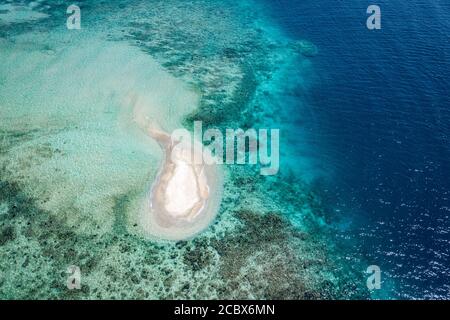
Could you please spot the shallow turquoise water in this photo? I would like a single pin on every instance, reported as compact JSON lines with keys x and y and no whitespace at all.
{"x":74,"y":167}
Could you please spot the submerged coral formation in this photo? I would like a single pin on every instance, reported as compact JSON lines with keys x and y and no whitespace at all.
{"x":269,"y":240}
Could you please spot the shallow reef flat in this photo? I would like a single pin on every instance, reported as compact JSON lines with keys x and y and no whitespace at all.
{"x":72,"y":175}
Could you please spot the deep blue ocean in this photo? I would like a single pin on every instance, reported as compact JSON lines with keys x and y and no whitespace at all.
{"x":379,"y":120}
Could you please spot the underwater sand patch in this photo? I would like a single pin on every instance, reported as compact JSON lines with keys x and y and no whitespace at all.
{"x":85,"y":150}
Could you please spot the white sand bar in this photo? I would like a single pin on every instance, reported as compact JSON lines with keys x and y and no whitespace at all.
{"x":185,"y":197}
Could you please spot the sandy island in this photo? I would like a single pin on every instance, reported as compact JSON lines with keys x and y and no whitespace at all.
{"x":185,"y":197}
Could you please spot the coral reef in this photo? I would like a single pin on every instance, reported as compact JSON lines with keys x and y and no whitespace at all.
{"x":269,"y":240}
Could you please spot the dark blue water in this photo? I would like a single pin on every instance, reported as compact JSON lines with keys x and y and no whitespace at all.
{"x":382,"y":120}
